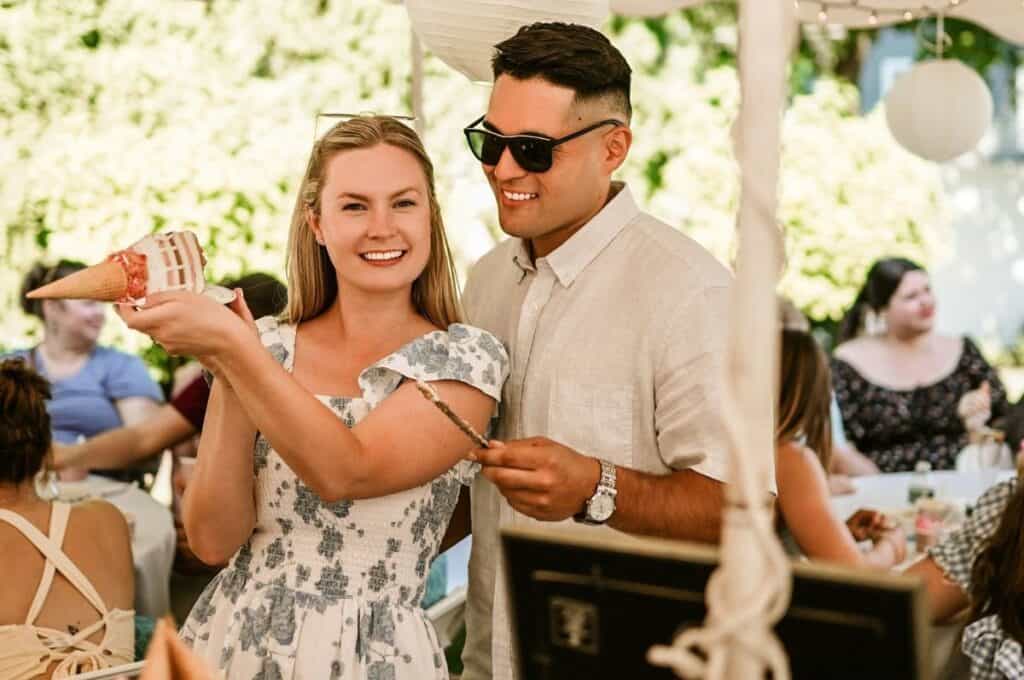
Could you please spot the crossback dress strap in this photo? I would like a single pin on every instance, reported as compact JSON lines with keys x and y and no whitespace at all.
{"x":55,"y":555}
{"x":58,"y":522}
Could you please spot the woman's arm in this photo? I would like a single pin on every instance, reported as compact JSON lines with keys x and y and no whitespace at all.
{"x":120,"y":447}
{"x":219,"y":507}
{"x":805,"y":507}
{"x":403,"y":443}
{"x":135,"y":409}
{"x":847,"y":460}
{"x":945,"y":597}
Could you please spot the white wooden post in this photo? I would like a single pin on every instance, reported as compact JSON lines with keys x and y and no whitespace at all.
{"x":750,"y":590}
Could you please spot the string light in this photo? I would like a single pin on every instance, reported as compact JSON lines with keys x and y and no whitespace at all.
{"x":875,"y":15}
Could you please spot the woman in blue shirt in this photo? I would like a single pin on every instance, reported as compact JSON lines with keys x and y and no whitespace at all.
{"x":94,"y":388}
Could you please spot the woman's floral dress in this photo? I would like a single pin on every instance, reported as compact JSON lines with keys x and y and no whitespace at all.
{"x":332,"y":590}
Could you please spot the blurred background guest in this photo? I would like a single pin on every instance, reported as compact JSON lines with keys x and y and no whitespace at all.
{"x":94,"y":388}
{"x":843,"y":461}
{"x":903,"y":389}
{"x":178,"y":421}
{"x":805,"y":520}
{"x":174,"y":425}
{"x":68,"y":581}
{"x":976,"y":571}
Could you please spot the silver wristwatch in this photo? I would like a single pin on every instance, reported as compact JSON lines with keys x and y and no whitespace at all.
{"x":601,"y":505}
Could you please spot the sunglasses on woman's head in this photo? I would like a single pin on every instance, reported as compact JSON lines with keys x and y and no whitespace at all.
{"x":533,"y":153}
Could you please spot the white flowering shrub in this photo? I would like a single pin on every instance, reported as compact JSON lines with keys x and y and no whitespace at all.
{"x":123,"y":117}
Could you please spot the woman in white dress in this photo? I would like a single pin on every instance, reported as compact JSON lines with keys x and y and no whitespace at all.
{"x":332,"y":519}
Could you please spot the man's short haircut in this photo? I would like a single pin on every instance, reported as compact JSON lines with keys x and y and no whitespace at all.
{"x":569,"y":55}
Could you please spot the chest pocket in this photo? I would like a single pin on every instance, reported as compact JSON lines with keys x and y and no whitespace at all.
{"x":594,"y":419}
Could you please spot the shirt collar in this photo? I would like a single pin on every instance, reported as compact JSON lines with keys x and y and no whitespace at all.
{"x":568,"y":260}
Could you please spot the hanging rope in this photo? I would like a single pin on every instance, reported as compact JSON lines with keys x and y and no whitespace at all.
{"x":750,"y":590}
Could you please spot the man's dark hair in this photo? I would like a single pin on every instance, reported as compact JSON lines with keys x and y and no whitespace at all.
{"x":568,"y":55}
{"x":24,"y":421}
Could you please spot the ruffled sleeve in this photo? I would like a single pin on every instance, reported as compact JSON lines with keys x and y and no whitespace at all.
{"x":464,"y":353}
{"x":956,"y":553}
{"x":993,"y":653}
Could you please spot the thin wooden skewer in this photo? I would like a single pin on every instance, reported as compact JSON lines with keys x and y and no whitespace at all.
{"x":431,"y":394}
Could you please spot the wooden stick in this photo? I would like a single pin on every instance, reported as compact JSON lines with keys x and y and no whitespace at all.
{"x":431,"y":394}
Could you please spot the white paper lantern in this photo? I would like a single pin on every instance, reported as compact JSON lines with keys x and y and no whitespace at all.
{"x":939,"y":109}
{"x":650,"y":8}
{"x":463,"y":33}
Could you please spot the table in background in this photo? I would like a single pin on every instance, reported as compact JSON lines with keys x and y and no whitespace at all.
{"x":890,"y":491}
{"x":153,"y":538}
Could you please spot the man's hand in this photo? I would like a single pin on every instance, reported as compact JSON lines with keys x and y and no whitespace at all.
{"x":539,"y":477}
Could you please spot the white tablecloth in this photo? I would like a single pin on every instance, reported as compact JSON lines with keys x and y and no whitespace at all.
{"x":889,"y":492}
{"x":153,"y":539}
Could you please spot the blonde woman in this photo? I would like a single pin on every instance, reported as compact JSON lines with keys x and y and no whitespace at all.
{"x":332,"y":519}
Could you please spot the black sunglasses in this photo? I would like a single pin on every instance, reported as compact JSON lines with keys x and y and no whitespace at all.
{"x":533,"y":153}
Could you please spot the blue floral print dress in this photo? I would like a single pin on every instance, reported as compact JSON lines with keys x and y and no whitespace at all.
{"x":332,"y":590}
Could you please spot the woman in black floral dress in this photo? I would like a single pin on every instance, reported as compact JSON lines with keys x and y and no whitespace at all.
{"x":899,"y":384}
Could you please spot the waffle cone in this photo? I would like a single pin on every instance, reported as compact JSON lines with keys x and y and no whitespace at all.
{"x":106,"y":282}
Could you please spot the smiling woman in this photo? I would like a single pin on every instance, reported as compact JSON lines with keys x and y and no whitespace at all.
{"x":347,"y":452}
{"x":906,"y":392}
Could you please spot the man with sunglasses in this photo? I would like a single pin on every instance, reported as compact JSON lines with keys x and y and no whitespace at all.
{"x":614,"y":321}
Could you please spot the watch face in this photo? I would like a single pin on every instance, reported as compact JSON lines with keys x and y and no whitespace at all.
{"x":601,"y":508}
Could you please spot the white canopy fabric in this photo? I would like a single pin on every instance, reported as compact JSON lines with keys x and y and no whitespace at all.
{"x":1004,"y":18}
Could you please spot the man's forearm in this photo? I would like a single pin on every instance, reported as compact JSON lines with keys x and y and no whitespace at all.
{"x":683,"y":505}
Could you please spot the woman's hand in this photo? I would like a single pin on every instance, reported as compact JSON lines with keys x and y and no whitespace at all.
{"x":897,"y":542}
{"x":241,"y":309}
{"x":975,"y":407}
{"x":840,"y":485}
{"x":62,"y":455}
{"x":867,"y":524}
{"x":187,"y":323}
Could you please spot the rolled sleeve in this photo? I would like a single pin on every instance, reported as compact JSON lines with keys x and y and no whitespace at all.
{"x":687,"y":396}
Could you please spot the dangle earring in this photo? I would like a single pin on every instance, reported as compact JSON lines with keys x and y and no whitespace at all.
{"x":874,"y":323}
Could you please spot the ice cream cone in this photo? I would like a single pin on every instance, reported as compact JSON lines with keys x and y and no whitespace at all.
{"x":106,"y":282}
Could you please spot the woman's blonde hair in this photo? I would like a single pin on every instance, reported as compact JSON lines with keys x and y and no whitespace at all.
{"x":312,"y":281}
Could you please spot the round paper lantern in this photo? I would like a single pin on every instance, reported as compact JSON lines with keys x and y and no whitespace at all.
{"x":650,"y":8}
{"x":939,"y":109}
{"x":463,"y":33}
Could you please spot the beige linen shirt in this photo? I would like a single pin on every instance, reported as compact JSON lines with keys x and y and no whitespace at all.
{"x":616,"y":340}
